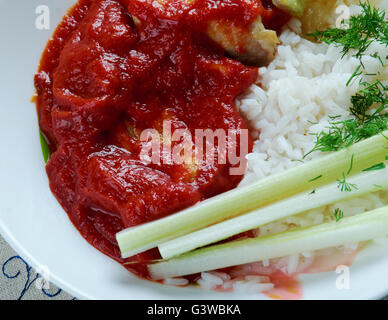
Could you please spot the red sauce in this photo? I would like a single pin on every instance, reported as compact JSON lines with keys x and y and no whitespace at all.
{"x":103,"y":78}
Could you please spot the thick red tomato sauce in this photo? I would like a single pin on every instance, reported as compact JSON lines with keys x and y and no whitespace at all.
{"x":104,"y":78}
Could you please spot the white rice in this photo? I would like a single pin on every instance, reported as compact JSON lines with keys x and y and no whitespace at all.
{"x":294,"y":97}
{"x":176,"y":282}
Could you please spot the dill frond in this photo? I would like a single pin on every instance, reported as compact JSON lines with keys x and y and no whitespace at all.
{"x":370,"y":24}
{"x":345,"y":186}
{"x":338,"y":214}
{"x":369,"y":106}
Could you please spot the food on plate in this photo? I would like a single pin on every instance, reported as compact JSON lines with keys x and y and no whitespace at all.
{"x":185,"y":138}
{"x":251,"y":43}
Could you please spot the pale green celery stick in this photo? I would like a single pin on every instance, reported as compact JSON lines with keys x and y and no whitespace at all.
{"x":361,"y":227}
{"x":366,"y":182}
{"x":238,"y":201}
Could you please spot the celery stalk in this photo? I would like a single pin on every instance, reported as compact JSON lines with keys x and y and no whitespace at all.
{"x":238,"y":201}
{"x":366,"y":182}
{"x":362,"y":227}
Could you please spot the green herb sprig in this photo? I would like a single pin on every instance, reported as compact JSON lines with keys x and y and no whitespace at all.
{"x":378,"y":166}
{"x":338,"y":214}
{"x":362,"y":29}
{"x":369,"y":106}
{"x":345,"y":186}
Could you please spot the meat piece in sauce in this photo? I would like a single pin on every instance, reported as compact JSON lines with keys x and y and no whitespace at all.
{"x":253,"y":44}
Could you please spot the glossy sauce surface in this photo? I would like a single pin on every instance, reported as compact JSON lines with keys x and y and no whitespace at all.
{"x":106,"y":76}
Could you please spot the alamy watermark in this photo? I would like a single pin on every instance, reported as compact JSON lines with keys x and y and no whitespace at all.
{"x":343,"y":279}
{"x":343,"y":15}
{"x":43,"y":282}
{"x":206,"y":147}
{"x":42,"y":21}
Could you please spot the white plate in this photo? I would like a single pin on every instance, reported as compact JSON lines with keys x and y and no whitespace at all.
{"x":36,"y":226}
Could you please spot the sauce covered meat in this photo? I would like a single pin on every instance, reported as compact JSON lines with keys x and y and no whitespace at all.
{"x":116,"y":68}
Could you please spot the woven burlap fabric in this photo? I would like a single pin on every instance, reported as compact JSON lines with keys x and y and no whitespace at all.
{"x":19,"y":281}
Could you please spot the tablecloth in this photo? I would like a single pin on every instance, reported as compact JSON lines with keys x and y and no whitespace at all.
{"x":18,"y":281}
